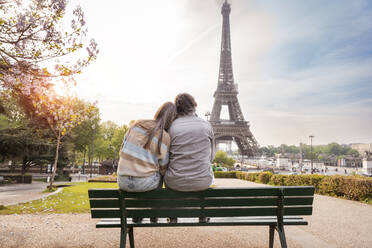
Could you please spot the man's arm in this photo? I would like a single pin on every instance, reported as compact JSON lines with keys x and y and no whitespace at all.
{"x":213,"y":144}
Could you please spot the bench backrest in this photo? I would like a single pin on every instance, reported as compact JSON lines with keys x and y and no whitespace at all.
{"x":220,"y":202}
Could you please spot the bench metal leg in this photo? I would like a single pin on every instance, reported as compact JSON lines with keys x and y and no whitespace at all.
{"x":281,"y":233}
{"x":123,"y":237}
{"x":131,"y":237}
{"x":271,"y":240}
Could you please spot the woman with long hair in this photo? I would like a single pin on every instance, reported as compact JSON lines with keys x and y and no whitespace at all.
{"x":144,"y":155}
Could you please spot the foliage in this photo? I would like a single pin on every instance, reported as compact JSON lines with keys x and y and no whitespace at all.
{"x":104,"y":179}
{"x":222,"y":158}
{"x":72,"y":199}
{"x":109,"y":142}
{"x":224,"y":174}
{"x":15,"y":178}
{"x":332,"y":149}
{"x":264,"y":177}
{"x":61,"y":114}
{"x":24,"y":140}
{"x":350,"y":187}
{"x":84,"y":136}
{"x":50,"y":190}
{"x":253,"y":177}
{"x":36,"y":44}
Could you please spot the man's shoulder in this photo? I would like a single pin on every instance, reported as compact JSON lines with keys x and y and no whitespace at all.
{"x":191,"y":122}
{"x":190,"y":118}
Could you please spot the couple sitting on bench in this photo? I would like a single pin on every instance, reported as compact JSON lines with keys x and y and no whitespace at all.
{"x":176,"y":146}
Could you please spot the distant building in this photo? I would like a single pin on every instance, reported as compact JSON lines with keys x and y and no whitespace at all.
{"x":282,"y":162}
{"x":349,"y":161}
{"x":367,"y":166}
{"x":362,"y":148}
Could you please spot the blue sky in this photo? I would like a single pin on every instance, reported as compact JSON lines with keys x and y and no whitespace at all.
{"x":303,"y":67}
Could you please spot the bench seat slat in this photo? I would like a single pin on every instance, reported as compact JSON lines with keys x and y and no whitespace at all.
{"x":163,"y":194}
{"x":298,"y":210}
{"x":235,"y":192}
{"x":232,"y":221}
{"x":298,"y":190}
{"x":103,"y":193}
{"x":298,"y":201}
{"x":219,"y":192}
{"x":220,"y":202}
{"x":209,"y":202}
{"x":216,"y":212}
{"x":196,"y":212}
{"x":104,"y":203}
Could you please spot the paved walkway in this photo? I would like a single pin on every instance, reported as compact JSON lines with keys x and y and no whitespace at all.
{"x":16,"y":193}
{"x":12,"y":194}
{"x":334,"y":223}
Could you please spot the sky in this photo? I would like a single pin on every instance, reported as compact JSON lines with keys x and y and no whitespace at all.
{"x":302,"y":67}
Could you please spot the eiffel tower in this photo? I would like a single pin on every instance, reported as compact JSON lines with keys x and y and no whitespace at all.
{"x":236,"y":128}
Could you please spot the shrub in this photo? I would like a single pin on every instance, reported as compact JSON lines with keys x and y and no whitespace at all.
{"x":18,"y":178}
{"x":350,"y":187}
{"x":222,"y":158}
{"x":224,"y":174}
{"x":103,"y":179}
{"x":277,"y":180}
{"x":264,"y":177}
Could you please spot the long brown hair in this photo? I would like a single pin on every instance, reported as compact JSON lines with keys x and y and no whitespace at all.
{"x":164,"y":117}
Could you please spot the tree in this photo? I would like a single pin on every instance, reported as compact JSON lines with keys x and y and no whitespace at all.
{"x":117,"y":139}
{"x":21,"y":139}
{"x":36,"y":43}
{"x":24,"y":144}
{"x":110,"y":140}
{"x":353,"y":153}
{"x":61,"y":114}
{"x":222,"y":158}
{"x":84,"y":135}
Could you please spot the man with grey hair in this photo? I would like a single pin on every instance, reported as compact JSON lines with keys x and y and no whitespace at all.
{"x":191,"y":150}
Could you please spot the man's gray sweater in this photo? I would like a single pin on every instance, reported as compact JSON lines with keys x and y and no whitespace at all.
{"x":191,"y":153}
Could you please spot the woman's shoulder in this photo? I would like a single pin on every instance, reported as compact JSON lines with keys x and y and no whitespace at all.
{"x":145,"y":124}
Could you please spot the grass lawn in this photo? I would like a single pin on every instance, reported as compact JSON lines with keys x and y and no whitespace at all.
{"x":73,"y":199}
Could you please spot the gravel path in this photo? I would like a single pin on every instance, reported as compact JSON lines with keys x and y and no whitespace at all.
{"x":334,"y":223}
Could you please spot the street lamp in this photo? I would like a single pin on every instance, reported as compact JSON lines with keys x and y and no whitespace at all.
{"x":92,"y":151}
{"x":311,"y":152}
{"x":207,"y":114}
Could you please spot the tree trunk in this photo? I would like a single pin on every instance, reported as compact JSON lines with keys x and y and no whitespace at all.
{"x":24,"y":164}
{"x":84,"y":161}
{"x":92,"y":159}
{"x":55,"y":161}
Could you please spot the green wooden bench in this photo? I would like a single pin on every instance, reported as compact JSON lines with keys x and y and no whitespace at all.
{"x":265,"y":206}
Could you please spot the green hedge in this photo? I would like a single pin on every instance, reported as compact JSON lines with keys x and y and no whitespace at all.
{"x":225,"y":174}
{"x":103,"y":179}
{"x":17,"y":178}
{"x":350,"y":187}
